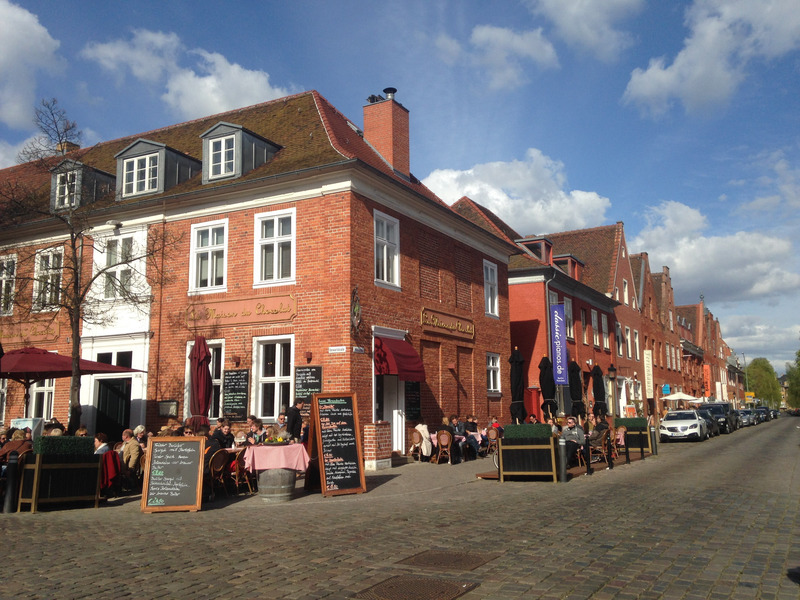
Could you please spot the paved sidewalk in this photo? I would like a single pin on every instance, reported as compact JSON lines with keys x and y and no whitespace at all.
{"x":712,"y":520}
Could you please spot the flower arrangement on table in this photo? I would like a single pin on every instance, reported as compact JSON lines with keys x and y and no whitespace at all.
{"x":274,"y":441}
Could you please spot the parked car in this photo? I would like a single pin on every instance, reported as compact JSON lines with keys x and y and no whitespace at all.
{"x":723,"y":413}
{"x":763,"y":413}
{"x":748,"y":418}
{"x":683,"y":425}
{"x":711,"y":423}
{"x":739,"y":423}
{"x":775,"y":413}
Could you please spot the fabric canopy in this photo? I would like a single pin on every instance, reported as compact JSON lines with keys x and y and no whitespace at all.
{"x":398,"y":357}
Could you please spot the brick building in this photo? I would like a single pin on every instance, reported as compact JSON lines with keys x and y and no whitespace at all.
{"x":290,"y":238}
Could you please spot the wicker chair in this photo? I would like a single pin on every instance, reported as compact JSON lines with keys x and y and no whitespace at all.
{"x":443,"y":441}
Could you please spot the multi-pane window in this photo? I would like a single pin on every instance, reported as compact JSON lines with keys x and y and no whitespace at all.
{"x":66,"y":195}
{"x":47,"y":288}
{"x":492,"y":373}
{"x":118,"y":272}
{"x":636,"y":343}
{"x":628,"y":340}
{"x":42,"y":399}
{"x":568,"y":322}
{"x":604,"y":320}
{"x":8,"y":269}
{"x":490,"y":288}
{"x":274,"y":377}
{"x":140,"y":175}
{"x":209,"y":247}
{"x":387,"y":249}
{"x":619,"y":339}
{"x":584,"y":332}
{"x":222,"y":156}
{"x":625,"y":293}
{"x":595,"y":329}
{"x":275,"y":248}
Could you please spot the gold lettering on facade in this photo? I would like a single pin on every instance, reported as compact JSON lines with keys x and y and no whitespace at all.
{"x":240,"y":312}
{"x":444,"y":323}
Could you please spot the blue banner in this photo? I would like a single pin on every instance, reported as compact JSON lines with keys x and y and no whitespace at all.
{"x":558,"y":338}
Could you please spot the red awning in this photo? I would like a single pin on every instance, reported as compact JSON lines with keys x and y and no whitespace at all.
{"x":398,"y":357}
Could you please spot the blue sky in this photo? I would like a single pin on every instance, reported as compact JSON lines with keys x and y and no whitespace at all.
{"x":679,"y":118}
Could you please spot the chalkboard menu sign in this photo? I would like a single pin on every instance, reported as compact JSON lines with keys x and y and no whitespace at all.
{"x":173,"y":477}
{"x":413,"y":409}
{"x":235,"y":387}
{"x":336,"y":444}
{"x":307,"y":382}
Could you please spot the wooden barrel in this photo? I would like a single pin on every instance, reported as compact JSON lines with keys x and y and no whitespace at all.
{"x":276,"y":485}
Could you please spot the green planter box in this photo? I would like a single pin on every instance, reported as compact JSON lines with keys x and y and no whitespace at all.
{"x":528,"y":450}
{"x":638,"y":433}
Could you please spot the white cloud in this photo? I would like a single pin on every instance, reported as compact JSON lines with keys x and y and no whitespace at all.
{"x":504,"y":53}
{"x":26,"y":48}
{"x":528,"y":194}
{"x":590,"y":24}
{"x":726,"y":35}
{"x":9,"y":152}
{"x":724,"y":268}
{"x":212,"y":85}
{"x":449,"y":49}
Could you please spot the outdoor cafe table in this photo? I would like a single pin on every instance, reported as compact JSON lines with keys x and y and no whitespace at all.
{"x":276,"y":466}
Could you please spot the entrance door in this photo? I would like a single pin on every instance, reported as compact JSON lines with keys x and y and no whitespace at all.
{"x":390,"y":406}
{"x":113,"y":407}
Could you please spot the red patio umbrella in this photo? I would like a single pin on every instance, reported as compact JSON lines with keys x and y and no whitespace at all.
{"x":201,"y":386}
{"x":29,"y":365}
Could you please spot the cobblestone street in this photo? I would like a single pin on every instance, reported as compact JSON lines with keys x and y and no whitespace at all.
{"x":717,"y":519}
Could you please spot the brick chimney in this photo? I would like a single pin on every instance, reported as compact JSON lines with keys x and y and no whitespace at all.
{"x":386,"y":129}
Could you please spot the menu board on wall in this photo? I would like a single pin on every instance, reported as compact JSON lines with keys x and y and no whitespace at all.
{"x":413,"y":401}
{"x":307,"y":382}
{"x":235,"y":388}
{"x":335,"y":443}
{"x":173,"y":476}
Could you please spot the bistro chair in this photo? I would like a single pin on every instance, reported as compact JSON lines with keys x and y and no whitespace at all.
{"x":416,"y":446}
{"x":492,"y":435}
{"x":443,"y":440}
{"x":240,"y":474}
{"x":219,"y":468}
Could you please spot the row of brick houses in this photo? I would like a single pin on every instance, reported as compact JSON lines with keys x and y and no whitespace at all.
{"x":288,"y":237}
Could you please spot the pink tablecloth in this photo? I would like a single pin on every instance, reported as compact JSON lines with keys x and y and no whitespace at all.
{"x":290,"y":456}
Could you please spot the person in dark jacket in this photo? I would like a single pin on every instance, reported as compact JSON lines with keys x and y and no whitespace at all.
{"x":222,"y":434}
{"x":294,"y":419}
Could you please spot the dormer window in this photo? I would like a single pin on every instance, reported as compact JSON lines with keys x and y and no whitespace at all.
{"x":222,"y":156}
{"x":147,"y":167}
{"x":230,"y":151}
{"x":66,"y":194}
{"x":141,"y":175}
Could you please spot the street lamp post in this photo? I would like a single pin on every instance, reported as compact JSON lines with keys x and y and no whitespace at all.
{"x":612,"y":376}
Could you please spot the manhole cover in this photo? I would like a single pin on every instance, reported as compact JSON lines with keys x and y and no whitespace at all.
{"x":409,"y":587}
{"x":448,"y":560}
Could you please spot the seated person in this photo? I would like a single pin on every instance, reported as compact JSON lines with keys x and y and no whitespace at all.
{"x":257,"y":433}
{"x":455,"y":451}
{"x":426,"y":448}
{"x":462,"y":428}
{"x":101,"y":443}
{"x":17,"y":444}
{"x":223,"y":434}
{"x":574,"y":437}
{"x":130,"y":454}
{"x":599,"y":426}
{"x":496,"y":424}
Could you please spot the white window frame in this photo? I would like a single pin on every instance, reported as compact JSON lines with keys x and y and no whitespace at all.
{"x":625,"y":292}
{"x":628,"y":341}
{"x":118,"y":271}
{"x":490,"y":290}
{"x":387,"y":250}
{"x":66,"y":189}
{"x":285,"y":379}
{"x":568,"y":321}
{"x":217,"y":348}
{"x":140,"y":175}
{"x":595,"y":329}
{"x":276,"y":241}
{"x":492,"y":373}
{"x":48,"y":280}
{"x":636,"y":343}
{"x":210,"y":250}
{"x":8,"y":274}
{"x":584,"y":331}
{"x":604,"y":323}
{"x":46,"y":388}
{"x":619,"y":339}
{"x":222,"y":157}
{"x":671,"y":321}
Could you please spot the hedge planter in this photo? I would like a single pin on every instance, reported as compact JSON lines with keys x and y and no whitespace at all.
{"x":528,"y":450}
{"x":638,"y":433}
{"x":62,"y":470}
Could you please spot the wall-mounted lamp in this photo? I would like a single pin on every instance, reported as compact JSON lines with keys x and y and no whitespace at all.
{"x":612,"y":372}
{"x":309,"y":356}
{"x":236,"y":360}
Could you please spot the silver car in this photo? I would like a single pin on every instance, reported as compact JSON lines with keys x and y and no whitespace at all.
{"x":748,"y":418}
{"x":683,"y":425}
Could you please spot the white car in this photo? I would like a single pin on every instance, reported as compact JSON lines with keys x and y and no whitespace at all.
{"x":683,"y":425}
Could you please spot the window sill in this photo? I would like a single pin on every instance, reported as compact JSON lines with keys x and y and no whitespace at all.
{"x":269,"y":284}
{"x":388,"y":286}
{"x":492,"y":316}
{"x":494,"y":395}
{"x":206,"y":291}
